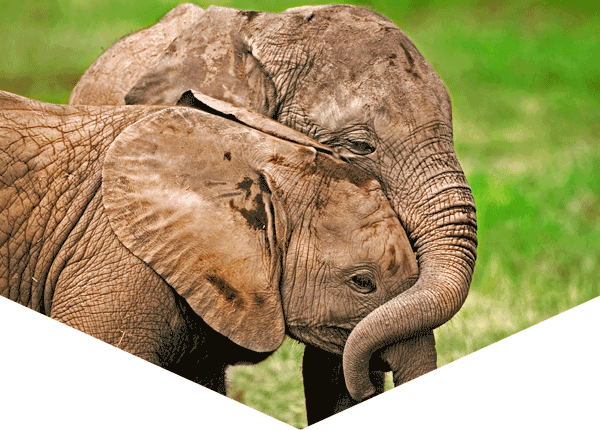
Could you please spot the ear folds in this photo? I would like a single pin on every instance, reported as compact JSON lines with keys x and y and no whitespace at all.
{"x":247,"y":117}
{"x":182,"y":196}
{"x":210,"y":57}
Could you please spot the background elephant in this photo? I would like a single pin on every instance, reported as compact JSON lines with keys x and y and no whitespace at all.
{"x":107,"y":211}
{"x":376,"y":102}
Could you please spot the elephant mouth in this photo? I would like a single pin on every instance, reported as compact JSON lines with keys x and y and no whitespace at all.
{"x":333,"y":339}
{"x":329,"y":338}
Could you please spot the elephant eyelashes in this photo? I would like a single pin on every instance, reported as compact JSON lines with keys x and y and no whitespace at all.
{"x":360,"y":147}
{"x":357,"y":142}
{"x":362,"y":283}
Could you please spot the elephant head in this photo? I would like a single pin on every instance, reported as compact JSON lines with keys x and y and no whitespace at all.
{"x":258,"y":234}
{"x":351,"y":80}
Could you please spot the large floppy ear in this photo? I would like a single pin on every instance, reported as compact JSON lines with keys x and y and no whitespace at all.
{"x":213,"y":58}
{"x":111,"y":76}
{"x":183,"y":192}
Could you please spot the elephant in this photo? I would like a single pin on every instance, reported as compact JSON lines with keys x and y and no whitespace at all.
{"x":193,"y":240}
{"x":375,"y":102}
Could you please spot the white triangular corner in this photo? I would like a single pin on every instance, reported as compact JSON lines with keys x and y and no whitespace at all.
{"x":52,"y":376}
{"x":546,"y":376}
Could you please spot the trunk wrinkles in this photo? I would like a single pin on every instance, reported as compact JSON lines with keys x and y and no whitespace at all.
{"x":438,"y":212}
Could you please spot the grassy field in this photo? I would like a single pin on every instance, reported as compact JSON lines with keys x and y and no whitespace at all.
{"x":525,"y":83}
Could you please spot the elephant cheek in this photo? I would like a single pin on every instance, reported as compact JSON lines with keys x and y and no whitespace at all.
{"x":329,"y":329}
{"x":330,"y":339}
{"x":320,"y":313}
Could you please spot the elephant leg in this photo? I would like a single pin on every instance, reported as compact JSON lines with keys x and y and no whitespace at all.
{"x":324,"y":387}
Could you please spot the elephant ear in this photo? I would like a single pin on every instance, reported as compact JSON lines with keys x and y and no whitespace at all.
{"x":249,"y":118}
{"x":210,"y":57}
{"x":111,"y":76}
{"x":182,"y":194}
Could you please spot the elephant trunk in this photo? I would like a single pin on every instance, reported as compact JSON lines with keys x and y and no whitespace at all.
{"x":411,"y":358}
{"x":443,"y":230}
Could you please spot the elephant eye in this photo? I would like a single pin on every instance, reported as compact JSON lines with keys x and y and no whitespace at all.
{"x":362,"y":283}
{"x":360,"y":147}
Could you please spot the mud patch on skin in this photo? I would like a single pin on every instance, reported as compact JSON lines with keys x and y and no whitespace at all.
{"x":263,"y":185}
{"x":411,"y":62}
{"x":277,"y":160}
{"x":245,"y":185}
{"x":227,"y":291}
{"x":256,"y":217}
{"x":259,"y":300}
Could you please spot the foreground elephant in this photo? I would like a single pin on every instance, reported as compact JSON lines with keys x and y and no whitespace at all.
{"x":350,"y":79}
{"x":107,"y":212}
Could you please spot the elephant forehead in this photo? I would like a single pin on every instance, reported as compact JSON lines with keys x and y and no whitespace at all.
{"x":380,"y":73}
{"x":356,"y":204}
{"x":336,"y":108}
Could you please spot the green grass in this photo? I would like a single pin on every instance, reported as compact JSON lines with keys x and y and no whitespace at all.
{"x":525,"y":83}
{"x":274,"y":387}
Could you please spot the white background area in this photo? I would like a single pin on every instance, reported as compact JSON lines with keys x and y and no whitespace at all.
{"x":52,"y":376}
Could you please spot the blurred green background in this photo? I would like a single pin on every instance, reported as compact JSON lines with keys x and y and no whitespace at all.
{"x":524,"y":77}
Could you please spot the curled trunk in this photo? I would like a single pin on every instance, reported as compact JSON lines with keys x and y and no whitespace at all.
{"x":411,"y":358}
{"x":439,"y":215}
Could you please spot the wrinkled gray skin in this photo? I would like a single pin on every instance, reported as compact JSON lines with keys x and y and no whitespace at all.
{"x":350,"y":79}
{"x":187,"y":238}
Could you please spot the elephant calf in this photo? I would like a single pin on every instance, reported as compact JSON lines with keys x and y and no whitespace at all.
{"x":194,"y":240}
{"x":375,"y":101}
